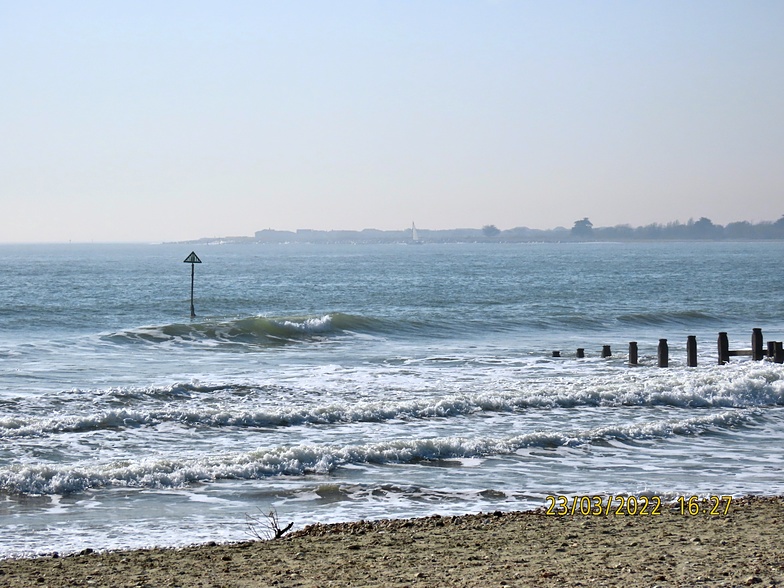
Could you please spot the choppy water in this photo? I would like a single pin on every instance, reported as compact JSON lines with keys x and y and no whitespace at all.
{"x":336,"y":383}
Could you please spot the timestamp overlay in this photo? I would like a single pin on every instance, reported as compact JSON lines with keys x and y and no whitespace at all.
{"x":598,"y":505}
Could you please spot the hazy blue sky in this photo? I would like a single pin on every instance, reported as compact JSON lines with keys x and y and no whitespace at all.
{"x":167,"y":120}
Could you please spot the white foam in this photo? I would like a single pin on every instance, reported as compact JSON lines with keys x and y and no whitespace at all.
{"x":737,"y":387}
{"x":322,"y":459}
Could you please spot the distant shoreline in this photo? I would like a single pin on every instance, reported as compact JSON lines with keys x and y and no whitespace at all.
{"x":582,"y":231}
{"x":446,"y":240}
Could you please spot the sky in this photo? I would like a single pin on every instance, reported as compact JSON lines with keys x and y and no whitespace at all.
{"x":173,"y":120}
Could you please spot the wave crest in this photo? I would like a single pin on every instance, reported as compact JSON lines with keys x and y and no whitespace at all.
{"x":758,"y":387}
{"x":322,"y":459}
{"x":257,"y":330}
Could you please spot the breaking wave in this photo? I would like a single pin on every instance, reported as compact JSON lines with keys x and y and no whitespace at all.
{"x":322,"y":459}
{"x":254,"y":330}
{"x":711,"y":389}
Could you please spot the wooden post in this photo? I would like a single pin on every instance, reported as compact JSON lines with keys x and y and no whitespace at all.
{"x":778,"y":355}
{"x":632,"y":352}
{"x":664,"y":354}
{"x":756,"y":345}
{"x":691,"y":351}
{"x":580,"y":352}
{"x":771,"y":349}
{"x":606,"y":351}
{"x":724,"y":348}
{"x":556,"y":354}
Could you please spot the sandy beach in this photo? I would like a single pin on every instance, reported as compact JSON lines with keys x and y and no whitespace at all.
{"x":744,"y":547}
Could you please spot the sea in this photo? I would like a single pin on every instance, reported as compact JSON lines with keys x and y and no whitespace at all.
{"x":338,"y":382}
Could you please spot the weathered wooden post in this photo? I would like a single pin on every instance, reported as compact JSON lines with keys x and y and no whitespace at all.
{"x":778,"y":355}
{"x":771,"y":349}
{"x":606,"y":351}
{"x":756,"y":345}
{"x":724,"y":348}
{"x":580,"y":352}
{"x":632,"y":352}
{"x":691,"y":351}
{"x":664,"y":353}
{"x":192,"y":259}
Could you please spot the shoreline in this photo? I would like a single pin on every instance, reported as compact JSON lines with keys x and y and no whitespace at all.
{"x":522,"y":548}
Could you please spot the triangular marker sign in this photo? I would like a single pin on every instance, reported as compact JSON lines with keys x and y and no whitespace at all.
{"x":192,"y":258}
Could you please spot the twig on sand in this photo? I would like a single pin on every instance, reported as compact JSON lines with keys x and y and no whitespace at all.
{"x":266,"y":526}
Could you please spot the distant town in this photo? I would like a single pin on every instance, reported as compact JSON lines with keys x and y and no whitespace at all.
{"x":582,"y":230}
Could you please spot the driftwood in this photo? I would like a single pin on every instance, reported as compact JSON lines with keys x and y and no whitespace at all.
{"x":266,"y":526}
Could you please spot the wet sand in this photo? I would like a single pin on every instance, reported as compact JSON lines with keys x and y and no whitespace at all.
{"x":745,"y":547}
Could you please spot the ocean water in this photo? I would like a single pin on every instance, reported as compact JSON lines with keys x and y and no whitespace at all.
{"x":335,"y":382}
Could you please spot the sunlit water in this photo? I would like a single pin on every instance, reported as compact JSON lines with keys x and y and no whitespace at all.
{"x":334,"y":383}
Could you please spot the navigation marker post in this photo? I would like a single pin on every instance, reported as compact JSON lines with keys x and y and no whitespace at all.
{"x":192,"y":259}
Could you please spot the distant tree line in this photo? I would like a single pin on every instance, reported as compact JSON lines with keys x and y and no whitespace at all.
{"x":702,"y":229}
